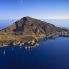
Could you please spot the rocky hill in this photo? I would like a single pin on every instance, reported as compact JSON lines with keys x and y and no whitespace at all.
{"x":29,"y":30}
{"x":29,"y":26}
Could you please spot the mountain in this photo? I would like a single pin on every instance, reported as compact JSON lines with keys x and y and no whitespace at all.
{"x":29,"y":26}
{"x":29,"y":30}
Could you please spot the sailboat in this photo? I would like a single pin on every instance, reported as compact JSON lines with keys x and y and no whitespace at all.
{"x":4,"y":52}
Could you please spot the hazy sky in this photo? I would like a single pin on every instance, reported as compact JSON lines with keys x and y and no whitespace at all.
{"x":43,"y":9}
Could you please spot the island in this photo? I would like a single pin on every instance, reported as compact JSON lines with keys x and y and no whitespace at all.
{"x":28,"y":31}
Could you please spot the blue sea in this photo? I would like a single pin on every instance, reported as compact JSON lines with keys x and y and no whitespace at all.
{"x":50,"y":54}
{"x":6,"y":22}
{"x":63,"y":23}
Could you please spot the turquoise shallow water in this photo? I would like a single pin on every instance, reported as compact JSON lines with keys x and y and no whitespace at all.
{"x":51,"y":54}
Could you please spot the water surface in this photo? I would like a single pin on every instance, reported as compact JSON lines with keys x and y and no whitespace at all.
{"x":50,"y":54}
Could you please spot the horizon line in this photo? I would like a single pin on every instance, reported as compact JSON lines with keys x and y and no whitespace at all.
{"x":32,"y":17}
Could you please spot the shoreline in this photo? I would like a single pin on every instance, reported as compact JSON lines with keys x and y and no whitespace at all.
{"x":29,"y":40}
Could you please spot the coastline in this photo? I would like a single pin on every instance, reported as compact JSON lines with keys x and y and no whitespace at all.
{"x":29,"y":40}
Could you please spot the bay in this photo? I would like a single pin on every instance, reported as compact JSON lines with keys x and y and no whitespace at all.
{"x":50,"y":54}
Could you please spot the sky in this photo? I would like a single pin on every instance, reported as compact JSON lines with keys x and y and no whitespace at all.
{"x":41,"y":9}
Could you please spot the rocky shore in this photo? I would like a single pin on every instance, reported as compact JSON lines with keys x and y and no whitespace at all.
{"x":27,"y":41}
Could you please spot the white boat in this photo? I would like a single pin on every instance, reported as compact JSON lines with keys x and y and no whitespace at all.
{"x":4,"y":52}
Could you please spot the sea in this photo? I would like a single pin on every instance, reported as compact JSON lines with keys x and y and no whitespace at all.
{"x":50,"y":54}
